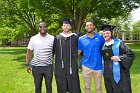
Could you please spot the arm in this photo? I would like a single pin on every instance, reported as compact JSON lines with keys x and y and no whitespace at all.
{"x":28,"y":59}
{"x":79,"y":52}
{"x":79,"y":47}
{"x":53,"y":51}
{"x":126,"y":56}
{"x":102,"y":41}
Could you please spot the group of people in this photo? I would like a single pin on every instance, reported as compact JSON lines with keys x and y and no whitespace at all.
{"x":101,"y":54}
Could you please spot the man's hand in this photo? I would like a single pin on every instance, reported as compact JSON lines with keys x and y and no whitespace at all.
{"x":28,"y":69}
{"x":115,"y":58}
{"x":28,"y":58}
{"x":79,"y":52}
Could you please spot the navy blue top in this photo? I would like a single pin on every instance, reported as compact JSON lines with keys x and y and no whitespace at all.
{"x":91,"y":47}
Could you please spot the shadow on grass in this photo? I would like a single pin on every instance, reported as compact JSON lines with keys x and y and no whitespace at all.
{"x":15,"y":54}
{"x":20,"y":58}
{"x":12,"y":51}
{"x":18,"y":52}
{"x":22,"y":66}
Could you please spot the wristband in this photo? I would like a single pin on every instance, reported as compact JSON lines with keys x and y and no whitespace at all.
{"x":27,"y":64}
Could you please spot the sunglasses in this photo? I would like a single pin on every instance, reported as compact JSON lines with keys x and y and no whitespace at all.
{"x":42,"y":26}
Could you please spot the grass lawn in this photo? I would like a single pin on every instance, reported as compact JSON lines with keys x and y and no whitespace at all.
{"x":15,"y":79}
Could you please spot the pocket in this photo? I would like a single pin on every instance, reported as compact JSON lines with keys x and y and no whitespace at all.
{"x":34,"y":70}
{"x":50,"y":71}
{"x":86,"y":71}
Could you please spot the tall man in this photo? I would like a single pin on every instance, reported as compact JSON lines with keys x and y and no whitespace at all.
{"x":66,"y":67}
{"x":41,"y":45}
{"x":91,"y":44}
{"x":118,"y":58}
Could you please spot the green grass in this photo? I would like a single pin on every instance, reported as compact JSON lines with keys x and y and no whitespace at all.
{"x":15,"y":79}
{"x":135,"y":69}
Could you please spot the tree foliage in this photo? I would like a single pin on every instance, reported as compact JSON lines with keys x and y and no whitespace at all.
{"x":136,"y":27}
{"x":27,"y":14}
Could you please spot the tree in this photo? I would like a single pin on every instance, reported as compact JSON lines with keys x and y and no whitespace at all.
{"x":28,"y":13}
{"x":136,"y":27}
{"x":5,"y":35}
{"x":79,"y":10}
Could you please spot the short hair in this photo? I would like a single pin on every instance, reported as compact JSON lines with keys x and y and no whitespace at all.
{"x":43,"y":22}
{"x":90,"y":20}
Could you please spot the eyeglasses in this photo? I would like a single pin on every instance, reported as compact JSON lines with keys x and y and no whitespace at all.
{"x":42,"y":26}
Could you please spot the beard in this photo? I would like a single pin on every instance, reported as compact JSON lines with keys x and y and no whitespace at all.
{"x":90,"y":31}
{"x":43,"y":32}
{"x":108,"y":38}
{"x":66,"y":30}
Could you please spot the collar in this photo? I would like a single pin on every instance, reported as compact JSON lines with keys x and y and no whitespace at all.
{"x":109,"y":43}
{"x":68,"y":35}
{"x":92,"y":36}
{"x":42,"y":36}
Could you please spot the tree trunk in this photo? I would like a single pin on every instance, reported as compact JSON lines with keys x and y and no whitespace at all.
{"x":80,"y":17}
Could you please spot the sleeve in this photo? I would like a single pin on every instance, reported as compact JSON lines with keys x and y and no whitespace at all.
{"x":54,"y":46}
{"x":79,"y":45}
{"x":102,"y":41}
{"x":31,"y":45}
{"x":126,"y":55}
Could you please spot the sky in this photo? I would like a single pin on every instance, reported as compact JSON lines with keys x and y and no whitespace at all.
{"x":136,"y":15}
